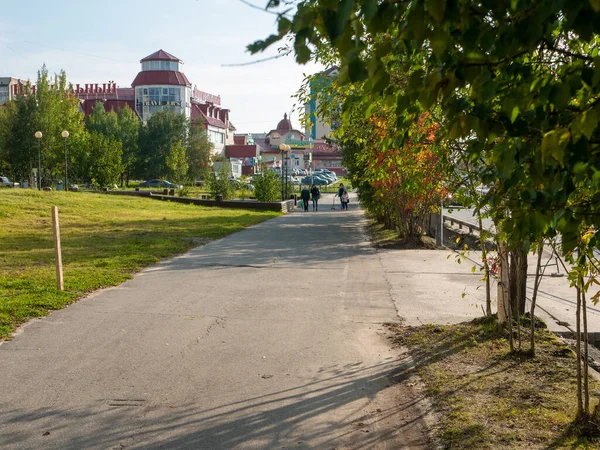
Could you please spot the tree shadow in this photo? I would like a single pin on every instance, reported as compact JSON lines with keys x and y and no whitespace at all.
{"x":291,"y":417}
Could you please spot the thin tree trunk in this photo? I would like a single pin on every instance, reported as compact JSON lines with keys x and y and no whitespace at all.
{"x":578,"y":348}
{"x":504,"y":309}
{"x":586,"y":387}
{"x":486,"y":266}
{"x":536,"y":285}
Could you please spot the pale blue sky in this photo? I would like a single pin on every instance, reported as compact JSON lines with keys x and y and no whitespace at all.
{"x":105,"y":41}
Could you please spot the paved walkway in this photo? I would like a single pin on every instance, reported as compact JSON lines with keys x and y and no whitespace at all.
{"x":268,"y":339}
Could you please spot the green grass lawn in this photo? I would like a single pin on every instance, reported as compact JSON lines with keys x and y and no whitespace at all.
{"x":105,"y":239}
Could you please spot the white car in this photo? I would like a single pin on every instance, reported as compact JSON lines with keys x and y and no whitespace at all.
{"x":5,"y":182}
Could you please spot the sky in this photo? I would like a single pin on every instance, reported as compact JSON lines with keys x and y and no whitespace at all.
{"x":105,"y":41}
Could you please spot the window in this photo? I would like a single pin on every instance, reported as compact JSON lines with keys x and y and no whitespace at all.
{"x":160,"y":65}
{"x":216,"y":137}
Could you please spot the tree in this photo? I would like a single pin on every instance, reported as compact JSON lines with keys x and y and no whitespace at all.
{"x":163,"y":129}
{"x":105,"y":159}
{"x":177,"y":162}
{"x":198,"y":151}
{"x":219,"y":183}
{"x":51,"y":109}
{"x":516,"y":83}
{"x":267,"y":187}
{"x":122,"y":126}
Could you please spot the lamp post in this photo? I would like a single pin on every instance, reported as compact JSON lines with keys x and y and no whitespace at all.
{"x":65,"y":134}
{"x":38,"y":135}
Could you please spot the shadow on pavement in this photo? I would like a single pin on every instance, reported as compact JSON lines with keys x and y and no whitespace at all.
{"x":273,"y":420}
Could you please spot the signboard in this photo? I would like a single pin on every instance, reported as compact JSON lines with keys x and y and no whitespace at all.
{"x":161,"y":103}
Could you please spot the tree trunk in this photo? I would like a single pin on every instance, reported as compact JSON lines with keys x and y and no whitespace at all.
{"x":486,"y":266}
{"x":536,"y":285}
{"x":586,"y":355}
{"x":518,"y":280}
{"x":504,"y":309}
{"x":580,"y":411}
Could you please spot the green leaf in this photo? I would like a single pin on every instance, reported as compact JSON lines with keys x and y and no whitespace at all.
{"x":514,"y":114}
{"x":283,"y":26}
{"x":436,"y":8}
{"x":595,"y":5}
{"x":554,"y":144}
{"x":585,"y":124}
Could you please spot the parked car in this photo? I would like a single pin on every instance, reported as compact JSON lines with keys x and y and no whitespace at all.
{"x":5,"y":182}
{"x":315,"y":180}
{"x":160,"y":184}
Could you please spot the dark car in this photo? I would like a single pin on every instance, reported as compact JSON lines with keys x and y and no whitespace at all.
{"x":5,"y":182}
{"x":159,"y":184}
{"x":315,"y":180}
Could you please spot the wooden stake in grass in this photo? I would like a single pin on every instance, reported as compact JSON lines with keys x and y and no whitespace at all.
{"x":59,"y":271}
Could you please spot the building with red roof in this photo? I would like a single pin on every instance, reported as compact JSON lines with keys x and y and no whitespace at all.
{"x":161,"y":85}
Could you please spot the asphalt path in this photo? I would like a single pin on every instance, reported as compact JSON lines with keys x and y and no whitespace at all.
{"x":271,"y":338}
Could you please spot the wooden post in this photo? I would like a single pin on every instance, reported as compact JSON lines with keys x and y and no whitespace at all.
{"x":59,"y":271}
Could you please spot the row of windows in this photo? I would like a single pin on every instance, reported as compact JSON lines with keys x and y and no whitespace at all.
{"x":160,"y":65}
{"x":158,"y":94}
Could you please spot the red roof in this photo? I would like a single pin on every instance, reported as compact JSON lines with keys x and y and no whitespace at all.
{"x":109,"y":105}
{"x":197,"y":111}
{"x":161,"y":55}
{"x":240,"y":139}
{"x":242,"y":151}
{"x":164,"y":77}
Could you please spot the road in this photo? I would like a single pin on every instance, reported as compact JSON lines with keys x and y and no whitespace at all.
{"x":556,"y":301}
{"x":271,"y":338}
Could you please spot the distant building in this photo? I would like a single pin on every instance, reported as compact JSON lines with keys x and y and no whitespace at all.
{"x":304,"y":154}
{"x":8,"y":88}
{"x":159,"y":86}
{"x":316,"y":127}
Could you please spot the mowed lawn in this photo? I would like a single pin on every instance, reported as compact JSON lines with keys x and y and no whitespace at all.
{"x":105,"y":239}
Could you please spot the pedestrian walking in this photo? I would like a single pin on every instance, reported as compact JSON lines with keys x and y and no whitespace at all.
{"x":343,"y":195}
{"x":305,"y":197}
{"x":316,"y":195}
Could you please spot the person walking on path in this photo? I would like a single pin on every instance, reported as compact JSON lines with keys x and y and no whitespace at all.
{"x":343,"y":195}
{"x":305,"y":196}
{"x":316,"y":195}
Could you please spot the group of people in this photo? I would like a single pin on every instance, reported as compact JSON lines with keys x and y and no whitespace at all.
{"x":314,"y":194}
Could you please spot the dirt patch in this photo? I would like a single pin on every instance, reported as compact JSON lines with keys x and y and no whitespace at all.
{"x":382,"y":237}
{"x":486,"y":398}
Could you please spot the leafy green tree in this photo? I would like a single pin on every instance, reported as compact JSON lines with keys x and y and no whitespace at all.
{"x":123,"y":126}
{"x":219,"y":183}
{"x":177,"y":161}
{"x":516,"y":83}
{"x":51,"y":110}
{"x":163,"y":129}
{"x":198,"y":151}
{"x":267,"y":187}
{"x":105,"y":159}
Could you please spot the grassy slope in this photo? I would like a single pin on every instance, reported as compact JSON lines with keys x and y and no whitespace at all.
{"x":487,"y":399}
{"x":104,"y":240}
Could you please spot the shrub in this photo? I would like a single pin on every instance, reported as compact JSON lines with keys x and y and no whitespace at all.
{"x":267,"y":187}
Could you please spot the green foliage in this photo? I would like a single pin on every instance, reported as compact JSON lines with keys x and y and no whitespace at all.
{"x":219,"y":184}
{"x":105,"y":164}
{"x":515,"y":83}
{"x":198,"y":151}
{"x":51,"y":110}
{"x":267,"y":187}
{"x":177,"y":162}
{"x":163,"y":129}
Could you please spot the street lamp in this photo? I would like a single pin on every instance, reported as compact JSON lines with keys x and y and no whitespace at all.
{"x":65,"y":134}
{"x":38,"y":135}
